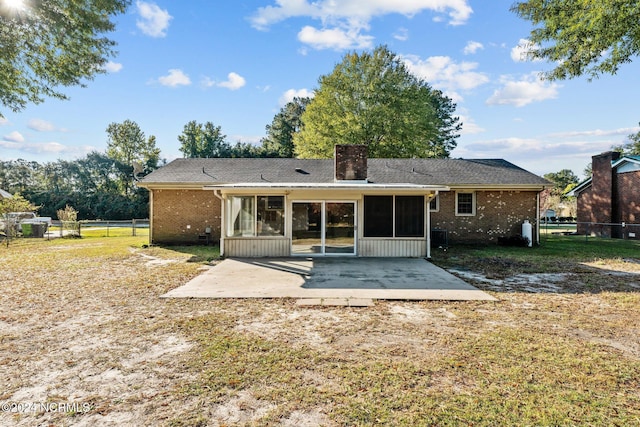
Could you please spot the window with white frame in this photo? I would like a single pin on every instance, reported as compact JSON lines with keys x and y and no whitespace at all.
{"x":249,"y":216}
{"x":465,"y":203}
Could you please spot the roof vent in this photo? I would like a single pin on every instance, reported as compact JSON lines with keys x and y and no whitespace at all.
{"x":302,"y":171}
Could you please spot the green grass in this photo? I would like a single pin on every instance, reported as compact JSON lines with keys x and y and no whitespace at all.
{"x":113,"y":232}
{"x":555,"y":254}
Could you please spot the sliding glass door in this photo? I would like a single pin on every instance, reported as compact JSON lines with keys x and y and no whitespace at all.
{"x":323,"y":228}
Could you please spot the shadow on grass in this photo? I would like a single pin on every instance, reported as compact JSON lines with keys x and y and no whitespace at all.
{"x":199,"y":253}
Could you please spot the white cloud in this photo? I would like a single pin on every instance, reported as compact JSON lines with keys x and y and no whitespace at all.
{"x":234,"y":81}
{"x":295,"y":93}
{"x":14,"y":136}
{"x":154,"y":21}
{"x":112,"y":67}
{"x":402,"y":34}
{"x":344,"y":22}
{"x":549,"y":152}
{"x":175,"y":78}
{"x":596,"y":132}
{"x":361,"y":11}
{"x":3,"y":121}
{"x":334,"y":38}
{"x":47,"y":148}
{"x":472,"y":47}
{"x":41,"y":125}
{"x":523,"y":92}
{"x":520,"y":52}
{"x":469,"y":126}
{"x":444,"y":73}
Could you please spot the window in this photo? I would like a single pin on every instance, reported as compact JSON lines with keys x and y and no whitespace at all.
{"x":465,"y":204}
{"x":270,"y":216}
{"x":255,"y":216}
{"x":378,"y":216}
{"x":409,"y":216}
{"x":394,"y":216}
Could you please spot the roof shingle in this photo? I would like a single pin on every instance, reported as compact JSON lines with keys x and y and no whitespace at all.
{"x":454,"y":172}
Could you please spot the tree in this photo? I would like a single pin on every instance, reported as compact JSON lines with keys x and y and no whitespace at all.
{"x":556,"y":198}
{"x":372,"y":99}
{"x":582,"y":36}
{"x":208,"y":141}
{"x":52,"y":43}
{"x":563,"y":181}
{"x":17,"y":203}
{"x":285,"y":124}
{"x":631,"y":148}
{"x":128,"y":146}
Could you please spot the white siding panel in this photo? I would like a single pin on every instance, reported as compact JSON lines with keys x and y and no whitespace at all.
{"x":392,"y":247}
{"x":257,"y":247}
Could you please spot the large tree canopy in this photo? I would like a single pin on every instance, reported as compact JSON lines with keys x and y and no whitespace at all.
{"x":45,"y":44}
{"x":285,"y":124}
{"x":127,"y":144}
{"x":582,"y":36}
{"x":373,"y":99}
{"x":208,"y":141}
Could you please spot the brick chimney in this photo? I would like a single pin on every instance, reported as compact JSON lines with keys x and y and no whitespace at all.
{"x":350,"y":162}
{"x":603,"y":186}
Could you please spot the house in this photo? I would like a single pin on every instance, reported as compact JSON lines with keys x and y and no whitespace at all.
{"x":610,"y":197}
{"x":349,"y":205}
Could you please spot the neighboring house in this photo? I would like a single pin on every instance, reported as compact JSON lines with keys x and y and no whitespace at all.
{"x":349,"y":205}
{"x":5,"y":194}
{"x":611,"y":196}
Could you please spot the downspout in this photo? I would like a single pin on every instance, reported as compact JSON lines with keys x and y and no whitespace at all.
{"x":150,"y":217}
{"x":429,"y":223}
{"x":538,"y":218}
{"x":222,"y":223}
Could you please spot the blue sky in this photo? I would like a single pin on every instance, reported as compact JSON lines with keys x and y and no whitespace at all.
{"x":237,"y":63}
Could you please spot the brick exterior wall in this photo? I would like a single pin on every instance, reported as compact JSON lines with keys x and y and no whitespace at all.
{"x":498,"y":214}
{"x":350,"y":162}
{"x":628,"y":203}
{"x":585,"y":213}
{"x":174,"y":210}
{"x":612,"y":198}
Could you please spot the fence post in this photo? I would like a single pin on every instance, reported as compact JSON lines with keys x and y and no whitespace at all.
{"x":133,"y":222}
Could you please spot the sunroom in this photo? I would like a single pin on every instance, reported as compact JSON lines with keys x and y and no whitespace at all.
{"x":325,"y":219}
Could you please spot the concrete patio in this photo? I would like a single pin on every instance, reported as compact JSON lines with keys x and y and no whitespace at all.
{"x":331,"y":278}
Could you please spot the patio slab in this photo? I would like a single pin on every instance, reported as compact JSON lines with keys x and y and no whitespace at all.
{"x":329,"y":278}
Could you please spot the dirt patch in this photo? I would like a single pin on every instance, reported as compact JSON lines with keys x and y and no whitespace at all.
{"x":97,"y":333}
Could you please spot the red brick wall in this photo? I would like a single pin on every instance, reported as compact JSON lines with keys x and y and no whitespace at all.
{"x":597,"y":203}
{"x":498,"y":214}
{"x":350,"y":162}
{"x":628,"y":201}
{"x":174,"y":210}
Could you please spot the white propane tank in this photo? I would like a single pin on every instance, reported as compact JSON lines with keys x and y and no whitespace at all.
{"x":526,"y":231}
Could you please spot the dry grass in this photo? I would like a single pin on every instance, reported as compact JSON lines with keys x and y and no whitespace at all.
{"x":81,"y":321}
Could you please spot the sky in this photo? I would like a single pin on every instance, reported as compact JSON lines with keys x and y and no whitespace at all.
{"x":237,"y":63}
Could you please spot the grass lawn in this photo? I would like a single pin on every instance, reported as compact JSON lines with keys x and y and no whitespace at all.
{"x":81,"y":322}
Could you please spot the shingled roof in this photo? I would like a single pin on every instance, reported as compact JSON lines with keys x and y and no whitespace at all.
{"x":452,"y":172}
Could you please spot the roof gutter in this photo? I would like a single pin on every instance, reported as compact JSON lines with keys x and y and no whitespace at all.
{"x":326,"y":186}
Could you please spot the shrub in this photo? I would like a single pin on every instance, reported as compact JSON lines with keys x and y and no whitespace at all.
{"x":515,"y":240}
